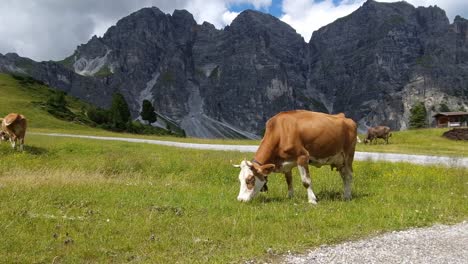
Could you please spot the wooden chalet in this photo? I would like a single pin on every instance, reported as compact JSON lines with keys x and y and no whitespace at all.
{"x":451,"y":119}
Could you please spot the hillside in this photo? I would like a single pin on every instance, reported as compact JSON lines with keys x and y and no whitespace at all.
{"x":27,"y":96}
{"x":373,"y":65}
{"x":30,"y":97}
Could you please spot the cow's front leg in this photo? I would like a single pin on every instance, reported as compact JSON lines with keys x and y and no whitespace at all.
{"x":303,"y":166}
{"x":288,"y":176}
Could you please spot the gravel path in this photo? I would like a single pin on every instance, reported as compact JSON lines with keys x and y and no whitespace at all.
{"x":372,"y":156}
{"x":436,"y":244}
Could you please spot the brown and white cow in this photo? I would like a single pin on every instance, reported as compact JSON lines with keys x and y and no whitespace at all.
{"x":14,"y":129}
{"x":299,"y":138}
{"x":377,"y":132}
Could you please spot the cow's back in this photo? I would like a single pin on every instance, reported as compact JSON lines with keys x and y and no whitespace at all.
{"x":15,"y":123}
{"x":322,"y":135}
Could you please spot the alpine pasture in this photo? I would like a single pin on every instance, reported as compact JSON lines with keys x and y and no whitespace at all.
{"x":67,"y":200}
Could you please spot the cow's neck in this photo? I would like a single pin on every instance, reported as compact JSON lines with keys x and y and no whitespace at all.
{"x":265,"y":154}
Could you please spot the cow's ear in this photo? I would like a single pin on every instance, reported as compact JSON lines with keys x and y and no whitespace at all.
{"x":266,"y":169}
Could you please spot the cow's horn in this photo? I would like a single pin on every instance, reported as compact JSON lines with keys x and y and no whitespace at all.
{"x":234,"y":165}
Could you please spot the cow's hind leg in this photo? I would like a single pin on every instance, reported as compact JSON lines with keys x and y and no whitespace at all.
{"x":288,"y":177}
{"x":21,"y":142}
{"x":303,"y":166}
{"x":346,"y":173}
{"x":13,"y":142}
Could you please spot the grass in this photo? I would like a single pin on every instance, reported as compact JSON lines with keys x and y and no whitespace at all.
{"x":105,"y":71}
{"x":419,"y":141}
{"x":77,"y":200}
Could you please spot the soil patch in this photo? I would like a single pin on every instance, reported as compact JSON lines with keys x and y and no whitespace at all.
{"x":457,"y":134}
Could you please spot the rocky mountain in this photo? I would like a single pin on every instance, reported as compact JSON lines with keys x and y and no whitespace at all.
{"x":384,"y":57}
{"x":372,"y":65}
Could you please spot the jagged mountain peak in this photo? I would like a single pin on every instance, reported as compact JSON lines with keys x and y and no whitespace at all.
{"x":252,"y":20}
{"x":183,"y":14}
{"x":372,"y":65}
{"x":459,"y":18}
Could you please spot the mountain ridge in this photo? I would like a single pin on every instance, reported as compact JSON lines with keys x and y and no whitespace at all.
{"x":372,"y":65}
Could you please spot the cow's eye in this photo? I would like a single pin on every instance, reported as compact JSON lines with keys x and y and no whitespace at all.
{"x":250,"y":181}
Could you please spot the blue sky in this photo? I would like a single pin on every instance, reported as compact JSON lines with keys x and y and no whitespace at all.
{"x":275,"y":8}
{"x":52,"y":29}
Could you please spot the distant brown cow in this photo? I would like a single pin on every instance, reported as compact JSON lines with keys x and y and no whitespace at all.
{"x":13,"y":129}
{"x":377,"y":132}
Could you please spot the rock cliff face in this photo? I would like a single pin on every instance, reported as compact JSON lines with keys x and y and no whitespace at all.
{"x":373,"y":65}
{"x":384,"y":57}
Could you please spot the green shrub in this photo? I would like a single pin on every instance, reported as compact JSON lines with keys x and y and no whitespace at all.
{"x":147,"y":112}
{"x":418,"y":116}
{"x":103,"y":72}
{"x":444,"y":108}
{"x":57,"y":100}
{"x":119,"y":112}
{"x":98,"y":115}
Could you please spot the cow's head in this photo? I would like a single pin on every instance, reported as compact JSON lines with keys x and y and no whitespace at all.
{"x":4,"y":136}
{"x":252,"y":178}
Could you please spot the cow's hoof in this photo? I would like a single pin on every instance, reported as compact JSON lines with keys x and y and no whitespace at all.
{"x":314,"y":202}
{"x":290,"y":195}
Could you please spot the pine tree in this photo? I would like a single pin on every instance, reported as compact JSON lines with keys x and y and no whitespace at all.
{"x":418,"y":116}
{"x":147,"y":112}
{"x":444,"y":108}
{"x":119,"y":112}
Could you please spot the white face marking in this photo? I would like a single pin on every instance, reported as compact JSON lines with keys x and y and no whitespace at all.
{"x":246,"y":194}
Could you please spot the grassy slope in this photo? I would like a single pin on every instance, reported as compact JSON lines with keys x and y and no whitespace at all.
{"x":17,"y":98}
{"x":76,"y":200}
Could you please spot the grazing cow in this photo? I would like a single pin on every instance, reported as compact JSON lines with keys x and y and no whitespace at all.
{"x":14,"y":129}
{"x":377,"y":132}
{"x":299,"y":138}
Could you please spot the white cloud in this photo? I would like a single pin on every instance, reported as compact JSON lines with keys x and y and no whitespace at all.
{"x":51,"y":29}
{"x":228,"y":17}
{"x":307,"y":16}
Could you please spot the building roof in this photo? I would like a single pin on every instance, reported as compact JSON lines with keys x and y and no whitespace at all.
{"x":451,"y":114}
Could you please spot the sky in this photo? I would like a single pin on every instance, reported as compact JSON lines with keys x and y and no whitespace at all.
{"x":52,"y":29}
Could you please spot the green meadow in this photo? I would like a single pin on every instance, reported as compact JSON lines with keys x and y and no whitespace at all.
{"x":67,"y":200}
{"x":78,"y":200}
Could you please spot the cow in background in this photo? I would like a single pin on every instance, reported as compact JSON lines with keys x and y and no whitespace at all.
{"x":373,"y":133}
{"x":13,"y":129}
{"x":297,"y":139}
